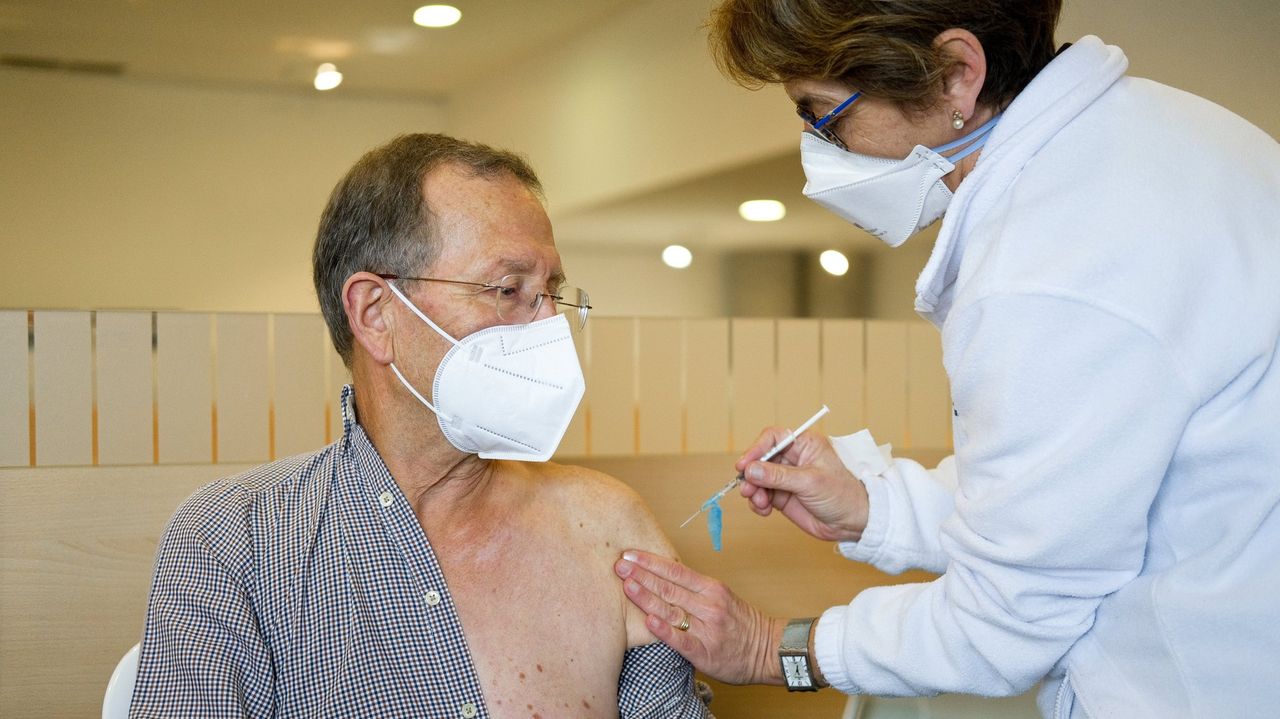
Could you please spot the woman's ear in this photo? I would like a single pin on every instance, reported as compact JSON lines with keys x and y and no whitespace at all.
{"x":967,"y":72}
{"x":364,"y":298}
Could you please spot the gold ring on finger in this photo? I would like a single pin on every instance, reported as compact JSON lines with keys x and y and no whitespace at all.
{"x":683,"y":626}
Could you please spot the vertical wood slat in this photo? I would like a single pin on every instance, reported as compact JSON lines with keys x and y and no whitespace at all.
{"x":184,"y":391}
{"x":706,"y":363}
{"x":242,"y":387}
{"x":15,"y":447}
{"x":612,"y":379}
{"x":64,"y":388}
{"x":660,"y":379}
{"x":843,"y":376}
{"x":928,"y":391}
{"x":300,"y":345}
{"x":753,"y":377}
{"x":799,"y":372}
{"x":123,"y":361}
{"x":886,"y":381}
{"x":574,"y":442}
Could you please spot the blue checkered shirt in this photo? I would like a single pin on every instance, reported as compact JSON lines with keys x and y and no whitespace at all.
{"x":306,"y":587}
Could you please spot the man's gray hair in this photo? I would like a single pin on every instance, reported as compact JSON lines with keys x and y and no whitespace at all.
{"x":378,"y":221}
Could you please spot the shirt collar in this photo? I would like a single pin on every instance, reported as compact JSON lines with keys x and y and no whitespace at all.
{"x":359,"y":449}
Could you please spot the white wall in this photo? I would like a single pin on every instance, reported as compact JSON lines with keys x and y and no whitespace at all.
{"x":633,"y":282}
{"x":632,"y":104}
{"x":120,"y":193}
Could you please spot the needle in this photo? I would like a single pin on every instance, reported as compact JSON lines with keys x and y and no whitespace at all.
{"x":786,"y":442}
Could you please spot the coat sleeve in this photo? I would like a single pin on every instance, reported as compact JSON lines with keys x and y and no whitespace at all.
{"x":907,"y":506}
{"x":1070,"y":415}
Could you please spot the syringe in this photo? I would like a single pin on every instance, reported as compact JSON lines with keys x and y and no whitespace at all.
{"x":786,"y":442}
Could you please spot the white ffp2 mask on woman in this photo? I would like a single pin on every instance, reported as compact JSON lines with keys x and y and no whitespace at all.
{"x":891,"y":199}
{"x":505,"y":392}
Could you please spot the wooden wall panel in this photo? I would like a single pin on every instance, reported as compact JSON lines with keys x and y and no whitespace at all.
{"x":299,"y":349}
{"x":77,"y":549}
{"x":124,"y":381}
{"x":799,"y":372}
{"x":15,"y":397}
{"x":242,"y":388}
{"x":843,"y":376}
{"x":612,"y":380}
{"x":660,"y":386}
{"x":886,"y":381}
{"x":654,"y":386}
{"x":754,"y":379}
{"x":928,"y":391}
{"x":64,"y":388}
{"x":184,"y":387}
{"x":706,"y":393}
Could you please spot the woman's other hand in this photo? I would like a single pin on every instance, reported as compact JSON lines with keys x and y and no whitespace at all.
{"x":724,"y":638}
{"x":808,"y":483}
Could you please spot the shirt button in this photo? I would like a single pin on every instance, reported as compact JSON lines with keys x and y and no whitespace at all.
{"x":469,"y":710}
{"x":433,"y":597}
{"x":386,"y":498}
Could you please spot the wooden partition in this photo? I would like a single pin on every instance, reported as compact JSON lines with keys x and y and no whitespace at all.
{"x":123,"y":388}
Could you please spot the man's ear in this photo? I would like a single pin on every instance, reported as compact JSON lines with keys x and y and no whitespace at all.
{"x":967,"y":73}
{"x":364,"y":298}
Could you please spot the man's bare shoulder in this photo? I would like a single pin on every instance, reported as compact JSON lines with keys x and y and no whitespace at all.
{"x":606,"y":517}
{"x":604,"y":507}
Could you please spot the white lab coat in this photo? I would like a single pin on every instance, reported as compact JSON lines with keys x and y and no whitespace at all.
{"x":1107,"y":285}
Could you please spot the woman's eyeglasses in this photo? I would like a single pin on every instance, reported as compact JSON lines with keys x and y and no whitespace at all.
{"x":819,"y":124}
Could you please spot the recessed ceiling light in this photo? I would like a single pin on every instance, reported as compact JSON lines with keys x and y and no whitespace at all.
{"x":677,"y":256}
{"x":327,"y":77}
{"x":762,"y":210}
{"x":437,"y":15}
{"x":834,"y":262}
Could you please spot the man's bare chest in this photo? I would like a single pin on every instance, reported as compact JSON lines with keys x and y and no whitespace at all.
{"x":545,"y":628}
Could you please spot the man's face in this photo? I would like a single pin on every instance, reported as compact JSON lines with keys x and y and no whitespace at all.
{"x":488,"y":228}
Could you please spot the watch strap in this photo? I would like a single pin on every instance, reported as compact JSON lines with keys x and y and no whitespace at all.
{"x":793,"y":655}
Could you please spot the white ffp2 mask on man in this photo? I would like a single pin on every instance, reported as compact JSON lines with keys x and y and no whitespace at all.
{"x":505,"y":392}
{"x":891,"y":199}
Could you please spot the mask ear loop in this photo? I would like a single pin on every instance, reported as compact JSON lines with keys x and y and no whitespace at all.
{"x":980,"y":135}
{"x":414,"y":309}
{"x":396,"y":291}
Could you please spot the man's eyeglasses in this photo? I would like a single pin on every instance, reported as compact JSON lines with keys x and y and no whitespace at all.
{"x":518,"y":298}
{"x":819,"y":125}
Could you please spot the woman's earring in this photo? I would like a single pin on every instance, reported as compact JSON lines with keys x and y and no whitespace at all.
{"x":957,"y":120}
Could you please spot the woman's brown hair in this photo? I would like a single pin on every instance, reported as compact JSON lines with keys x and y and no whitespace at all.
{"x":882,"y":47}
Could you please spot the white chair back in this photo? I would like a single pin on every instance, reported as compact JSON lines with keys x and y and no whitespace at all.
{"x":115,"y":704}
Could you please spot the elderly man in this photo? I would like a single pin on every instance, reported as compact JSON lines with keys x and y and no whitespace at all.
{"x":412,"y":568}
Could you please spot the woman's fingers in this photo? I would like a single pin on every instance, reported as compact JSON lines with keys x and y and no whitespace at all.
{"x":668,"y":569}
{"x":726,"y":638}
{"x":656,"y":595}
{"x":765,"y":441}
{"x":759,"y":498}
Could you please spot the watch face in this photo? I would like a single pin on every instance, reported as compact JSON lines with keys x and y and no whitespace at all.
{"x":795,"y":671}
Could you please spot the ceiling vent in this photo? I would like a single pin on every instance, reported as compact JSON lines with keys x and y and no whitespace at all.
{"x":82,"y":67}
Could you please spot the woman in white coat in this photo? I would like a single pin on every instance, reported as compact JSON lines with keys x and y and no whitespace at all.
{"x":1106,"y":282}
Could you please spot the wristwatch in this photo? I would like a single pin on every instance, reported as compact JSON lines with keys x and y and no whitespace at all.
{"x":793,"y":653}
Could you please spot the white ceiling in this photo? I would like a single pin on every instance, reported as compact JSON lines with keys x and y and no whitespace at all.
{"x":1223,"y":50}
{"x":279,"y":44}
